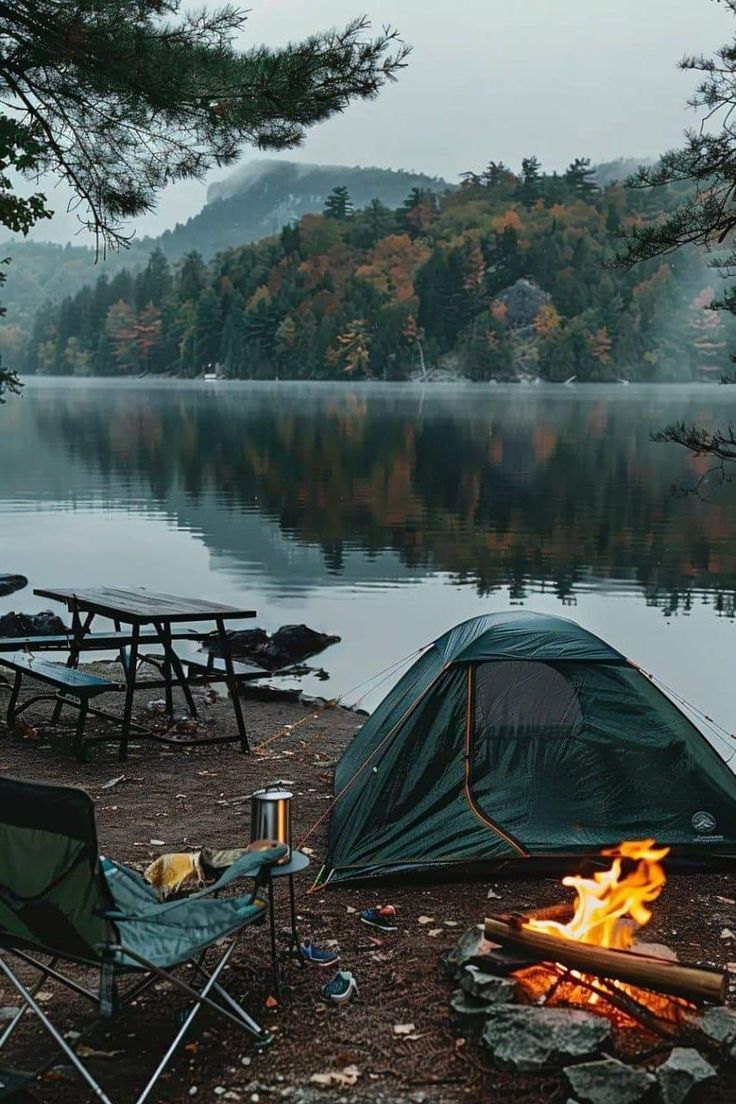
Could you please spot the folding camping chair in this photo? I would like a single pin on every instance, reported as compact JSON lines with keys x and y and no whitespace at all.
{"x":60,"y":901}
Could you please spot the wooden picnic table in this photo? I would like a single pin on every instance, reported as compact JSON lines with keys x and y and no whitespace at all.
{"x":138,"y":607}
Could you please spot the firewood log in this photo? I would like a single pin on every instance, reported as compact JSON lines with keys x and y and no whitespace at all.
{"x":661,"y":975}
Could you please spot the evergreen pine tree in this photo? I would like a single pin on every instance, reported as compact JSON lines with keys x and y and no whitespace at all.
{"x":338,"y":204}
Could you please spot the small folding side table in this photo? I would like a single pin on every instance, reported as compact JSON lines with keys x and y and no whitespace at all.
{"x":298,"y":862}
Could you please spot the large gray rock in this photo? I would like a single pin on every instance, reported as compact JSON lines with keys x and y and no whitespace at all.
{"x":32,"y":624}
{"x":489,"y":987}
{"x":681,"y":1074}
{"x":609,"y":1082}
{"x":10,"y":583}
{"x":530,"y":1038}
{"x":719,"y":1024}
{"x":471,"y":944}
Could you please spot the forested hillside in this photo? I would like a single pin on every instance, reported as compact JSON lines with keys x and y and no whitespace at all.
{"x":255,"y":200}
{"x":505,"y":278}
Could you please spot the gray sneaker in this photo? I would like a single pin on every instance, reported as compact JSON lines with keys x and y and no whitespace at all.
{"x":341,"y":987}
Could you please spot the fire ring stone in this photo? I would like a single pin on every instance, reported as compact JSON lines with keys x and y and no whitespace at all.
{"x":528,"y":1039}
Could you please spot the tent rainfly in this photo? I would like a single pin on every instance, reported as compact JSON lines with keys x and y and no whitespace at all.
{"x":523,"y":736}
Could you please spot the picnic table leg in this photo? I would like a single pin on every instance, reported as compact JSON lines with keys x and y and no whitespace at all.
{"x":164,"y":632}
{"x":78,"y":632}
{"x":232,"y":685}
{"x":168,"y":691}
{"x":14,"y":698}
{"x":129,"y":688}
{"x":79,"y":732}
{"x":123,"y":653}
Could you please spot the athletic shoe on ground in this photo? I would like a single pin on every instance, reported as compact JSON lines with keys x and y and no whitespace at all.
{"x":317,"y":956}
{"x":383,"y":918}
{"x":341,"y":987}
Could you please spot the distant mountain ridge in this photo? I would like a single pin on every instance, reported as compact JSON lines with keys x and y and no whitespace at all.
{"x":261,"y":197}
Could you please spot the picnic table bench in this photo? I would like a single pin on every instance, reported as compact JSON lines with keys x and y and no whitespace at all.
{"x":71,"y":687}
{"x":91,"y":641}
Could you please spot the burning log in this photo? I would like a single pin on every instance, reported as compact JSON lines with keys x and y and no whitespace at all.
{"x":662,"y":975}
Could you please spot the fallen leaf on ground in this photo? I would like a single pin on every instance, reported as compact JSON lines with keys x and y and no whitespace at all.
{"x":84,"y":1051}
{"x":725,"y":900}
{"x":492,"y":893}
{"x":113,"y":782}
{"x":434,"y":932}
{"x":157,"y":843}
{"x":451,"y":923}
{"x":25,"y":731}
{"x":404,"y":1029}
{"x":727,"y":934}
{"x":340,"y":1079}
{"x":425,"y":919}
{"x":271,"y":1002}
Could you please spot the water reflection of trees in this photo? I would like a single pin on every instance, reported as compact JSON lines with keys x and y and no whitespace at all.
{"x":525,"y":494}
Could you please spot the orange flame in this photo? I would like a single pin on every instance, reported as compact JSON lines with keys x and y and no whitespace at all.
{"x":608,"y":909}
{"x":604,"y":900}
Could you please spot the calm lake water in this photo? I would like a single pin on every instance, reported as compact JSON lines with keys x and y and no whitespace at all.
{"x":385,"y":514}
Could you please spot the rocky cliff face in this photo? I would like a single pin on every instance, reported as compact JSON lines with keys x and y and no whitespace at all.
{"x":523,"y":302}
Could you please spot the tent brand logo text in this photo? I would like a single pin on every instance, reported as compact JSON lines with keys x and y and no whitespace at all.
{"x":703,"y":822}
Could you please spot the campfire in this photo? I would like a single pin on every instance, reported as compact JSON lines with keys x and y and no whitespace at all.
{"x":588,"y":953}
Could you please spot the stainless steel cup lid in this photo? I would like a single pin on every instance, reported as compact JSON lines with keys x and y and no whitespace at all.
{"x":272,"y":794}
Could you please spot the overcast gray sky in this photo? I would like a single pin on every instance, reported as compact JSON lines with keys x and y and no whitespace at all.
{"x":493,"y":79}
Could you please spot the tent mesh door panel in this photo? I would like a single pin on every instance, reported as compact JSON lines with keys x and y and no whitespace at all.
{"x":572,"y":755}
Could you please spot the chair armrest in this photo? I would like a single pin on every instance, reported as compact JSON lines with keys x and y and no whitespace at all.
{"x":254,"y":864}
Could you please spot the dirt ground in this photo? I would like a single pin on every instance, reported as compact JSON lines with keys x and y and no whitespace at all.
{"x":188,"y":799}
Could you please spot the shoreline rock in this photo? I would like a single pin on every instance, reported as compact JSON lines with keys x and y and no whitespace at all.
{"x":10,"y":583}
{"x":44,"y":623}
{"x":289,"y":645}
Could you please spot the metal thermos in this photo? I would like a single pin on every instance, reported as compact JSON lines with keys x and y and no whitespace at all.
{"x":270,"y":816}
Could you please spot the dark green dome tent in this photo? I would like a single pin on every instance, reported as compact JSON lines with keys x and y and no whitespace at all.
{"x":519,"y":735}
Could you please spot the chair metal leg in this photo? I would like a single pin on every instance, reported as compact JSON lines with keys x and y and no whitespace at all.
{"x":55,"y":1035}
{"x":201,"y":999}
{"x":45,"y":972}
{"x":177,"y":983}
{"x":239,"y":1010}
{"x":231,"y":1001}
{"x":49,"y":970}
